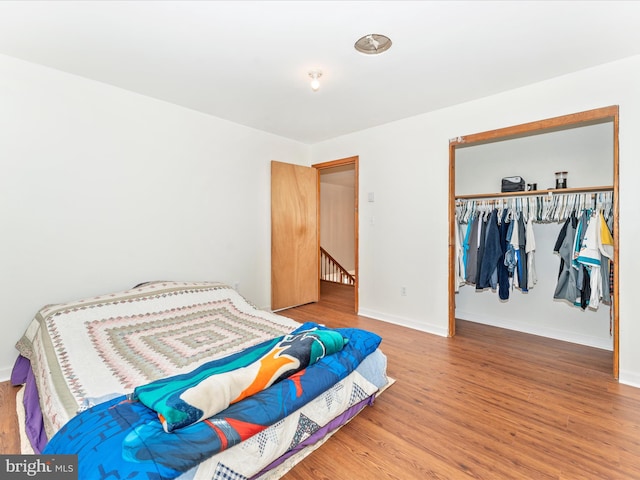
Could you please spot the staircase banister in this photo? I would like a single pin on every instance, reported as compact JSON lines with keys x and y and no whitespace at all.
{"x":343,"y":271}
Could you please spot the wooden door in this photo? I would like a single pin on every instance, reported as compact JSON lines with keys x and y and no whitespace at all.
{"x":294,"y":235}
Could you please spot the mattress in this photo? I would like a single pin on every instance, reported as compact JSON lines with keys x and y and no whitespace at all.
{"x":87,"y":352}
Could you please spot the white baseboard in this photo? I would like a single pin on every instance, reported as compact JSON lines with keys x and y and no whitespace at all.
{"x":570,"y":337}
{"x":405,"y":322}
{"x":629,"y":378}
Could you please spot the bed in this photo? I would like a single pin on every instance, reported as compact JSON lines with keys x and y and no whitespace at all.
{"x":84,"y":365}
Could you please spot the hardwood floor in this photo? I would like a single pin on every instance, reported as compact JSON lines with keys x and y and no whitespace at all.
{"x":486,"y":404}
{"x":9,"y":438}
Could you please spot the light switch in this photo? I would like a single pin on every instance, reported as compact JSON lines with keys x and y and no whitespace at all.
{"x":371,"y":197}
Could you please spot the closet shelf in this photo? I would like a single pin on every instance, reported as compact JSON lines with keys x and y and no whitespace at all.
{"x":602,"y":188}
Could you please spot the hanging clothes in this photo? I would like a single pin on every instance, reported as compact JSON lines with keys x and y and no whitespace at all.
{"x":465,"y":248}
{"x":521,"y":255}
{"x":497,"y":248}
{"x":566,"y":287}
{"x":482,"y":240}
{"x":584,"y":273}
{"x":503,"y":270}
{"x":460,"y":270}
{"x":574,"y":283}
{"x":591,"y":252}
{"x":510,"y":259}
{"x":472,"y":251}
{"x":589,"y":257}
{"x":516,"y":253}
{"x":596,"y":250}
{"x":532,"y":277}
{"x":605,"y":244}
{"x":492,"y":251}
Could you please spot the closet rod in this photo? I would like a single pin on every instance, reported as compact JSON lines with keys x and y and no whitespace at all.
{"x":603,"y":188}
{"x":500,"y":201}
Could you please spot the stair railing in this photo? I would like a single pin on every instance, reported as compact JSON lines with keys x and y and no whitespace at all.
{"x":332,"y":271}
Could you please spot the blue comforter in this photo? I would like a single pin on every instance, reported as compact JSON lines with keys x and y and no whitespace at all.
{"x":125,"y":437}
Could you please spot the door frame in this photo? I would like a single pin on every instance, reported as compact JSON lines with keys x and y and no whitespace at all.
{"x":598,"y":115}
{"x":337,"y":163}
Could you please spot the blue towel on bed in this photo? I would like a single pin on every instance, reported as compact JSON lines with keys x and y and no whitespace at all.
{"x":189,"y":398}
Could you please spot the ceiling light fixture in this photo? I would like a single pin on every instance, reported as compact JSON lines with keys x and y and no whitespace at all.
{"x":315,"y":75}
{"x":373,"y":44}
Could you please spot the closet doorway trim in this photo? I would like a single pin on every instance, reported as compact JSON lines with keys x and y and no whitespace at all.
{"x":574,"y":120}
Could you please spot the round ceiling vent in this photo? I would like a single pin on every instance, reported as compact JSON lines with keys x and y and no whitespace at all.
{"x":373,"y":44}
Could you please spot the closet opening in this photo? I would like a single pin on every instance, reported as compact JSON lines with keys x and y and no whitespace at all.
{"x":585,"y":145}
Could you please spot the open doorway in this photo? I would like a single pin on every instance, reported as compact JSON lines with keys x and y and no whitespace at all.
{"x":338,"y":194}
{"x":585,"y":142}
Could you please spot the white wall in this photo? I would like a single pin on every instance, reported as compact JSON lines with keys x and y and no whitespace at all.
{"x":101,"y":189}
{"x":586,"y":153}
{"x":337,"y":204}
{"x":406,"y":164}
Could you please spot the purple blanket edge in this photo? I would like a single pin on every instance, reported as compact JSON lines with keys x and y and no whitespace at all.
{"x":22,"y":374}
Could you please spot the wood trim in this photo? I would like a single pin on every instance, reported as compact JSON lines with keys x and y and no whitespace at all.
{"x":597,"y":115}
{"x":616,"y":243}
{"x":452,"y":241}
{"x":318,"y":208}
{"x":356,"y":222}
{"x":588,"y":117}
{"x":355,"y":161}
{"x":559,"y":191}
{"x":336,"y":163}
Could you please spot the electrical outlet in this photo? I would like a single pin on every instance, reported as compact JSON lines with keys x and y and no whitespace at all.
{"x":403,"y":291}
{"x":236,"y":285}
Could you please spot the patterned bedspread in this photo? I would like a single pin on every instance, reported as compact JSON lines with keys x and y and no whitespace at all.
{"x":84,"y":353}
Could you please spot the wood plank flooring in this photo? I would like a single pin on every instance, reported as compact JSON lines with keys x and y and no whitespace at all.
{"x":9,"y":438}
{"x":486,"y":404}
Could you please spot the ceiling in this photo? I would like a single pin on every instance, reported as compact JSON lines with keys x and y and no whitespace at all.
{"x":248,"y":62}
